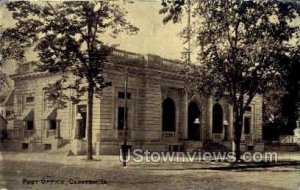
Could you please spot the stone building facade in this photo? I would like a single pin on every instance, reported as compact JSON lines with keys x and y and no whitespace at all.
{"x":6,"y":110}
{"x":161,"y":115}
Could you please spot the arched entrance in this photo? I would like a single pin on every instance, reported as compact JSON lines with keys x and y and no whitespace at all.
{"x":168,"y":115}
{"x":217,"y":118}
{"x":194,"y":121}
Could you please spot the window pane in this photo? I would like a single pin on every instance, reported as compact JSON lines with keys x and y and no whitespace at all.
{"x":217,"y":118}
{"x":247,"y":124}
{"x":29,"y":99}
{"x":29,"y":125}
{"x":121,"y":121}
{"x":81,"y":123}
{"x":9,"y":113}
{"x":121,"y":95}
{"x":248,"y":109}
{"x":81,"y":109}
{"x":52,"y":124}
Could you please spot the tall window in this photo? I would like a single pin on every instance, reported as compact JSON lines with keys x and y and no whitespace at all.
{"x":52,"y":124}
{"x":247,"y":120}
{"x":29,"y":120}
{"x":247,"y":125}
{"x":81,"y":121}
{"x":217,"y":118}
{"x":168,"y":115}
{"x":121,"y":117}
{"x":9,"y":114}
{"x":29,"y":125}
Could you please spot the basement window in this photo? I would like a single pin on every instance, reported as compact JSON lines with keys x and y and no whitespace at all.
{"x":25,"y":146}
{"x":48,"y":146}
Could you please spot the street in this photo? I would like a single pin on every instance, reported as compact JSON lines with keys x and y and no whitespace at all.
{"x":109,"y":174}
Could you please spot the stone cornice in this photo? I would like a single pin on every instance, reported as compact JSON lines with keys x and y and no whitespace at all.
{"x":146,"y":64}
{"x":31,"y":75}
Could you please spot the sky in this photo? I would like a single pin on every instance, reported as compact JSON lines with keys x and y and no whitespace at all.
{"x":154,"y":37}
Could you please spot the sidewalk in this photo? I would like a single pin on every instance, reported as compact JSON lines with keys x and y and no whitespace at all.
{"x":60,"y":158}
{"x":107,"y":161}
{"x":286,"y":156}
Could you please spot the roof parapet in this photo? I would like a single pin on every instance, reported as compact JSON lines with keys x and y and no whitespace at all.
{"x":122,"y":57}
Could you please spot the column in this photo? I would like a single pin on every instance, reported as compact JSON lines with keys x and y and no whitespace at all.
{"x":46,"y":127}
{"x":185,"y":116}
{"x":209,"y":118}
{"x":24,"y":129}
{"x":76,"y":129}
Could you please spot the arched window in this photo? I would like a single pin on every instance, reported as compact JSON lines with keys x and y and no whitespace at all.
{"x":168,"y":115}
{"x":217,"y":118}
{"x":194,"y":120}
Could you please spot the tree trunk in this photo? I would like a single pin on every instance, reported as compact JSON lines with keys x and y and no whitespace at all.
{"x":238,"y":125}
{"x":90,"y":122}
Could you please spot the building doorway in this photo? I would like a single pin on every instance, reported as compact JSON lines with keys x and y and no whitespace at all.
{"x":217,"y":119}
{"x":194,"y":122}
{"x":168,"y":115}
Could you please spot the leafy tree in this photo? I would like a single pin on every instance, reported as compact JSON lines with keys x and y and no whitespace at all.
{"x":242,"y":47}
{"x":3,"y":80}
{"x":290,"y":103}
{"x":281,"y":106}
{"x":273,"y":119}
{"x":68,"y":37}
{"x":3,"y":77}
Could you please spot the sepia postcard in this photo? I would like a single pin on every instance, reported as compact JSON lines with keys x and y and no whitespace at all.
{"x":150,"y":94}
